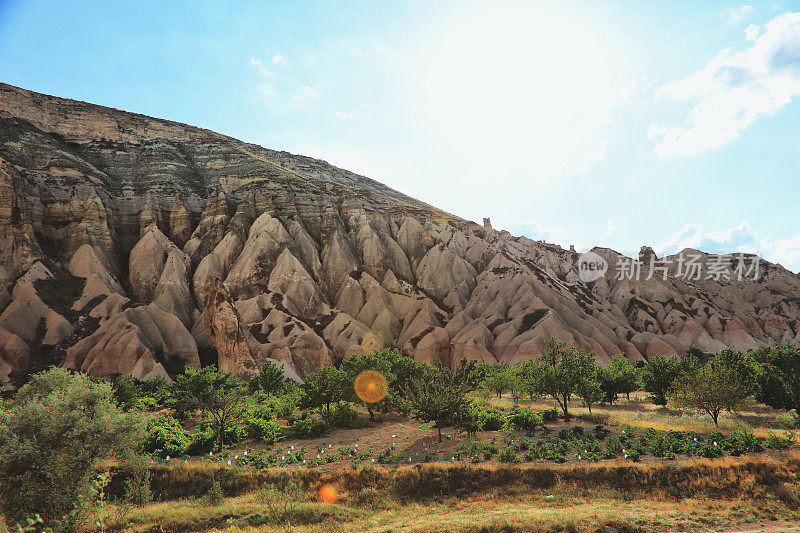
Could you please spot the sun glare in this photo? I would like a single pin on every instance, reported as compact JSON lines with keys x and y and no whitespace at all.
{"x":524,"y":80}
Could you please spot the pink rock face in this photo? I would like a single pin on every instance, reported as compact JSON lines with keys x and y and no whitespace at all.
{"x":135,"y":245}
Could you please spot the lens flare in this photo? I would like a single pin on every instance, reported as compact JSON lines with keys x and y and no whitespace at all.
{"x":370,"y":386}
{"x":328,"y":494}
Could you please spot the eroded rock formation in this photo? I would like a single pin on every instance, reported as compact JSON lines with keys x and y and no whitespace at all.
{"x":141,"y":246}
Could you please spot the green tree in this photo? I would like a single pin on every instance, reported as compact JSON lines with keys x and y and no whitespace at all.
{"x":498,"y":378}
{"x":711,"y":388}
{"x":355,"y":365}
{"x":566,"y":371}
{"x":322,"y":388}
{"x":777,"y":377}
{"x":439,"y":395}
{"x":126,"y":391}
{"x":659,"y":375}
{"x":619,"y":377}
{"x":61,"y":426}
{"x":219,"y":394}
{"x":269,"y":380}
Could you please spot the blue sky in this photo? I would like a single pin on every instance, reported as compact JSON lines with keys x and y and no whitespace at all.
{"x":618,"y":124}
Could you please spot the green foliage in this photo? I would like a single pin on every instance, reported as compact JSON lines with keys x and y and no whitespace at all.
{"x":137,"y":488}
{"x":619,"y":377}
{"x":309,"y":428}
{"x":658,"y":377}
{"x":343,"y":415}
{"x":522,"y":418}
{"x":565,"y":371}
{"x":476,"y":452}
{"x":549,"y":415}
{"x":322,"y":388}
{"x":215,"y":494}
{"x":266,"y":431}
{"x":270,"y":380}
{"x":498,"y":378}
{"x":219,"y":394}
{"x":439,"y":396}
{"x":389,"y":456}
{"x":127,"y":392}
{"x":778,"y":442}
{"x":282,"y":501}
{"x":711,"y":388}
{"x":777,"y":378}
{"x":166,"y":437}
{"x":61,"y":426}
{"x":480,"y":416}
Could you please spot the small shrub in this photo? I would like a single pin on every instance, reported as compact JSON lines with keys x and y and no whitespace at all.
{"x":282,"y":502}
{"x":166,"y":437}
{"x":344,"y":415}
{"x":777,"y":442}
{"x":389,"y":456}
{"x":215,"y":495}
{"x":267,"y":431}
{"x":522,"y":418}
{"x":550,"y":415}
{"x":309,"y":428}
{"x":137,"y":488}
{"x":508,"y":455}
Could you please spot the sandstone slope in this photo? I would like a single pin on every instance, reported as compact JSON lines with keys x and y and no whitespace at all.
{"x":135,"y":245}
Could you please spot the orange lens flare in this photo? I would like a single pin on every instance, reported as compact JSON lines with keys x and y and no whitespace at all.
{"x":328,"y":494}
{"x":371,"y":386}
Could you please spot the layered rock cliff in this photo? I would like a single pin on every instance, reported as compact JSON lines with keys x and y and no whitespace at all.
{"x":141,"y":246}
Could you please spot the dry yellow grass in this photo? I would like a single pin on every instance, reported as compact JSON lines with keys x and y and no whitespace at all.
{"x":688,"y":495}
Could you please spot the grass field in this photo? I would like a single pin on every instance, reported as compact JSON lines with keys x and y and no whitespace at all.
{"x":753,"y":492}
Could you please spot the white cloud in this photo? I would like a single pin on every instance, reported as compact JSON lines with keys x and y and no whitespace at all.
{"x":308,"y":91}
{"x":751,"y":32}
{"x":611,"y":228}
{"x":341,"y":115}
{"x":257,"y":64}
{"x":737,"y":239}
{"x":733,"y":90}
{"x":302,"y":100}
{"x":279,"y":59}
{"x":737,"y":14}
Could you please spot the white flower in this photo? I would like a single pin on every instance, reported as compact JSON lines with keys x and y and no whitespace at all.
{"x":579,"y":458}
{"x":168,"y":458}
{"x":236,"y":457}
{"x":283,"y":457}
{"x":394,"y":436}
{"x":715,"y":443}
{"x":245,"y":452}
{"x":229,"y":462}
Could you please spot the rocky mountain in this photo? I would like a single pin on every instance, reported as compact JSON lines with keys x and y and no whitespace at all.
{"x":134,"y":245}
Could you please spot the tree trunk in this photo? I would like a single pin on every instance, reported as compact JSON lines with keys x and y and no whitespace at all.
{"x":371,"y":414}
{"x":440,"y":434}
{"x":590,"y":407}
{"x":565,"y":405}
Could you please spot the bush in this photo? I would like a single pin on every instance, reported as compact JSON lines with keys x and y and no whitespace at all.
{"x":215,"y":495}
{"x":508,"y":455}
{"x":776,"y":442}
{"x":344,"y":415}
{"x":201,"y":443}
{"x":549,"y":415}
{"x":522,"y":418}
{"x":267,"y":431}
{"x":309,"y":428}
{"x":485,"y":417}
{"x":137,"y":488}
{"x":389,"y":456}
{"x":61,"y":426}
{"x":166,"y":437}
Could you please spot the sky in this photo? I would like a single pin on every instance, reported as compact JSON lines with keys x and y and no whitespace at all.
{"x":618,"y":124}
